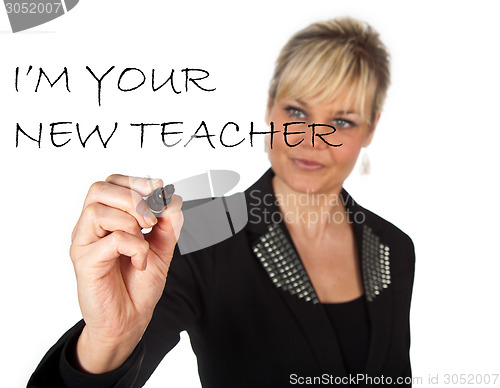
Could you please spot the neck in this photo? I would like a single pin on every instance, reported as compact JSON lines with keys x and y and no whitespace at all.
{"x":311,"y":214}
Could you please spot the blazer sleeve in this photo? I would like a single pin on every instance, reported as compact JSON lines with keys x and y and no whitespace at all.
{"x":178,"y":309}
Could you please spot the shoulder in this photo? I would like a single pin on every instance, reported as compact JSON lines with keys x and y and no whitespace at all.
{"x":387,"y":230}
{"x":372,"y":227}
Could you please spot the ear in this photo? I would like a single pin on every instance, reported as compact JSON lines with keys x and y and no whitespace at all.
{"x":371,"y":131}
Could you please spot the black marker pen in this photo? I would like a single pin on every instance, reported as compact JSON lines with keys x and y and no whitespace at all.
{"x":159,"y":199}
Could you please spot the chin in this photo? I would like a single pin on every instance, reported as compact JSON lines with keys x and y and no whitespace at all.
{"x":304,"y":184}
{"x":303,"y":181}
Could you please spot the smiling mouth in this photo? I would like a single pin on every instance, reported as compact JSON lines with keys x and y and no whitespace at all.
{"x":307,"y":165}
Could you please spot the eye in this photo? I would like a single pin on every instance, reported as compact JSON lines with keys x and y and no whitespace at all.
{"x":343,"y":124}
{"x":295,"y":112}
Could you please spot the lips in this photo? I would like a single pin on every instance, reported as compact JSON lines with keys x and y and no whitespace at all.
{"x":307,"y":164}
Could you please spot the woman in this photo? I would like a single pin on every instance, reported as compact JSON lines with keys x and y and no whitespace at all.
{"x":314,"y":288}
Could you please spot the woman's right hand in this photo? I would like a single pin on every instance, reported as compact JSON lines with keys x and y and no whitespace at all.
{"x":120,"y":272}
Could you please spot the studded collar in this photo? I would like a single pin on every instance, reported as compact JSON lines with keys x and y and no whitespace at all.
{"x":273,"y":248}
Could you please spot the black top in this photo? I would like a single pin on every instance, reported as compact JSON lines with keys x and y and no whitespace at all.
{"x":251,"y":312}
{"x":352,"y":327}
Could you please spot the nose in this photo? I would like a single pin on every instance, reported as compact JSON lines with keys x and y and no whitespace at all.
{"x":323,"y":136}
{"x":313,"y":134}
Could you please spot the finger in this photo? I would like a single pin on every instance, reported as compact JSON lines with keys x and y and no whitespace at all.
{"x":121,"y":198}
{"x":165,"y":234}
{"x":173,"y":206}
{"x":143,"y":186}
{"x":102,"y":254}
{"x":98,"y":220}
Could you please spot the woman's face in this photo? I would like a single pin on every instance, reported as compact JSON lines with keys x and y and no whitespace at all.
{"x":322,"y":168}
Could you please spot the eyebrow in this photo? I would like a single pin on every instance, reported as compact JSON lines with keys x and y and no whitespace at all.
{"x":300,"y":102}
{"x":334,"y":113}
{"x":345,"y":112}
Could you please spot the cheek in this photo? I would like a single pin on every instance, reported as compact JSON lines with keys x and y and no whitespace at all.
{"x":279,"y":148}
{"x":277,"y":154}
{"x":347,"y":153}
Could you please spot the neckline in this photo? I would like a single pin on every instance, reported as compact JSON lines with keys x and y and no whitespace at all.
{"x":347,"y":303}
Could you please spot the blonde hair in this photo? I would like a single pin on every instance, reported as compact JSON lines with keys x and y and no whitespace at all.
{"x":327,"y":59}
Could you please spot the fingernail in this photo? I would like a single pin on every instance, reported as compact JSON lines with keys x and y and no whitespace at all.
{"x":151,"y":220}
{"x":157,"y":183}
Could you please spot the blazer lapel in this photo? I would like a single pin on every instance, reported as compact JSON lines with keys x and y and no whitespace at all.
{"x":374,"y":258}
{"x":274,"y":248}
{"x":380,"y":311}
{"x":278,"y":256}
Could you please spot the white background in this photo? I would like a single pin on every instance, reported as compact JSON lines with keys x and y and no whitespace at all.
{"x":434,"y":157}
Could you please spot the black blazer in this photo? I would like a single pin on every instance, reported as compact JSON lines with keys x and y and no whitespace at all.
{"x":252,"y":314}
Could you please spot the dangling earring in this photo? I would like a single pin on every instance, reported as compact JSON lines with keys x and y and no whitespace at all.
{"x":365,"y":164}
